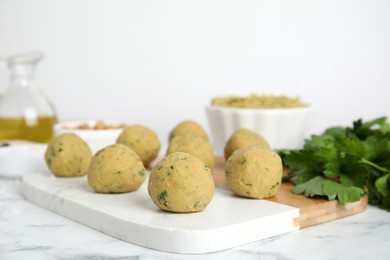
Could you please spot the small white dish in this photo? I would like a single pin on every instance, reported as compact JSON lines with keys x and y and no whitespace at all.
{"x":283,"y":128}
{"x":95,"y":138}
{"x":19,"y":158}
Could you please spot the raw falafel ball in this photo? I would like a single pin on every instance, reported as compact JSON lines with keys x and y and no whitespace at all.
{"x":194,"y":145}
{"x":181,"y":183}
{"x":254,"y":172}
{"x":188,"y":127}
{"x":116,"y":169}
{"x":142,"y":140}
{"x":241,"y":138}
{"x":68,"y":156}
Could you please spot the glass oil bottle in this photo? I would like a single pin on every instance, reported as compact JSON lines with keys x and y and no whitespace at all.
{"x":25,"y":112}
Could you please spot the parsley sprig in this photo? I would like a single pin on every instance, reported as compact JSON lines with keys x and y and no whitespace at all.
{"x":344,"y":163}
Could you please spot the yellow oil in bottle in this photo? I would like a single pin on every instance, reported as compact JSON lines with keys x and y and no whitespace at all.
{"x":41,"y":130}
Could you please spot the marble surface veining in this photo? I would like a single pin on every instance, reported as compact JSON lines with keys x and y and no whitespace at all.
{"x":30,"y":232}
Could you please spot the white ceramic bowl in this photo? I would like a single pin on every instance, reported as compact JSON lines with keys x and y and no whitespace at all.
{"x":283,"y":128}
{"x":95,"y":138}
{"x":22,"y":157}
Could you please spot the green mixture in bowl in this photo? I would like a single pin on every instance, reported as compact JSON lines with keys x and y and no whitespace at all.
{"x":258,"y":101}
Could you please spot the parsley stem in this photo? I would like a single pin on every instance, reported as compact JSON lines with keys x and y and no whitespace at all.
{"x":374,"y":165}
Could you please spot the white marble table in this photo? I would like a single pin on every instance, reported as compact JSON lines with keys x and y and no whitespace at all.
{"x":30,"y":232}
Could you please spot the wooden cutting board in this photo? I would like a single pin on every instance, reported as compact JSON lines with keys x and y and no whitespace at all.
{"x":313,"y":211}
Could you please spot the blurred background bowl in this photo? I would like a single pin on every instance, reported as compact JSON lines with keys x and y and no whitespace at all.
{"x":19,"y":157}
{"x":96,"y":133}
{"x":283,"y":128}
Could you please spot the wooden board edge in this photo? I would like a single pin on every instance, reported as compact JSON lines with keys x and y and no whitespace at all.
{"x":313,"y":211}
{"x":340,"y":211}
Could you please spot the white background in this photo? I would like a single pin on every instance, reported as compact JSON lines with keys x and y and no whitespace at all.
{"x":159,"y":62}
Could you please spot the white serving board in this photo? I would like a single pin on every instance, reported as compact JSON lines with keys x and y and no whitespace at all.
{"x":227,"y":222}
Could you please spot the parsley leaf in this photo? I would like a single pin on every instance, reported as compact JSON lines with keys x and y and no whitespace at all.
{"x":311,"y":188}
{"x":319,"y":186}
{"x":343,"y":162}
{"x":344,"y":194}
{"x":383,"y":185}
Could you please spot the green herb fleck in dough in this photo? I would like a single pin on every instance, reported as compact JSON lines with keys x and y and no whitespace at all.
{"x":196,"y":204}
{"x":249,"y":184}
{"x":53,"y":152}
{"x":162,"y":198}
{"x":242,"y":161}
{"x":275,"y":185}
{"x":141,"y":172}
{"x":118,"y":172}
{"x":160,"y":167}
{"x":172,"y":167}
